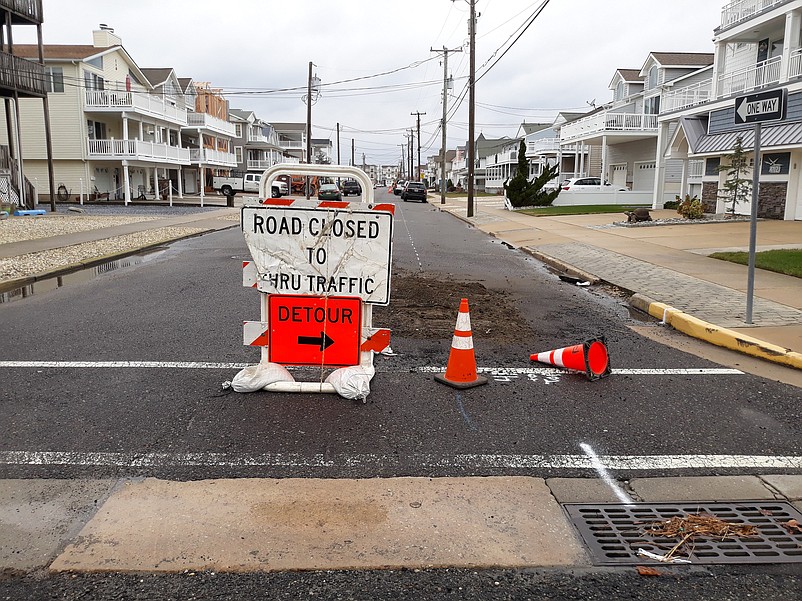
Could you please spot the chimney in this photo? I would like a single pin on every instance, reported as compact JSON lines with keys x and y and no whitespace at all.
{"x":104,"y":37}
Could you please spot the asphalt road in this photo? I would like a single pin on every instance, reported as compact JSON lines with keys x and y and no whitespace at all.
{"x":184,"y":305}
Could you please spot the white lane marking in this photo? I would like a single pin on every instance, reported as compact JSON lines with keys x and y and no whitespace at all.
{"x":605,"y":475}
{"x":476,"y":461}
{"x":543,"y":371}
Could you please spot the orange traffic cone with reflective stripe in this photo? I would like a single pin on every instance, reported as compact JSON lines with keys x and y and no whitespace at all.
{"x":461,"y":368}
{"x":590,"y":357}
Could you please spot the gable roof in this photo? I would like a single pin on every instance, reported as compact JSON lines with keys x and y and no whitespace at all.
{"x":630,"y":75}
{"x":683,"y":59}
{"x":289,"y":126}
{"x":157,"y":77}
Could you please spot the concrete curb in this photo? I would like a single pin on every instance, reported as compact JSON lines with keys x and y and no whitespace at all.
{"x":695,"y":327}
{"x":561,"y":265}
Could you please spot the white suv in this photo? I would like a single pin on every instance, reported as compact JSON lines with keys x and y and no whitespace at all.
{"x":589,"y":184}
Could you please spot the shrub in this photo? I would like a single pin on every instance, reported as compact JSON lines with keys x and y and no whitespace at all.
{"x":691,"y":208}
{"x":672,"y":204}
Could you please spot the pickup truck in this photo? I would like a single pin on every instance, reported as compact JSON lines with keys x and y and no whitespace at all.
{"x":248,"y":182}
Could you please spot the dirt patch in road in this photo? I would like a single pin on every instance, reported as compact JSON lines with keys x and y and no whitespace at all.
{"x":426,"y":307}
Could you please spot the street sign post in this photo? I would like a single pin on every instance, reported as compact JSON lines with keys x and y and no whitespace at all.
{"x":757,"y":109}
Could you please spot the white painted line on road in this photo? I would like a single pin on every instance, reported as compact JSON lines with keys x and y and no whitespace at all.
{"x":605,"y":475}
{"x":620,"y":463}
{"x":496,"y":371}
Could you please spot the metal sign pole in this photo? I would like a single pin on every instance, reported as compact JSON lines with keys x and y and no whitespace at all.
{"x":750,"y":282}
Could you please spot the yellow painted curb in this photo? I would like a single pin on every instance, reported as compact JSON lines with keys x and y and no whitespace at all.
{"x":692,"y":326}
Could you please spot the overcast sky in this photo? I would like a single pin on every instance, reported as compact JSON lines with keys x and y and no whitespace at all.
{"x":253,"y":48}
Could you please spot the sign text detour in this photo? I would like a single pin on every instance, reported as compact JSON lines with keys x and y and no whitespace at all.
{"x":321,"y":251}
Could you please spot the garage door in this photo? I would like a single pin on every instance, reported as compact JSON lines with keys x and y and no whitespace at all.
{"x":619,"y":175}
{"x":644,"y":177}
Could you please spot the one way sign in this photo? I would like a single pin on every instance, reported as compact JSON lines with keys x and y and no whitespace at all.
{"x":757,"y":108}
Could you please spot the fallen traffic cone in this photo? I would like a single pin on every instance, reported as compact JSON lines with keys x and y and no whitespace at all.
{"x":461,"y":368}
{"x":590,"y":357}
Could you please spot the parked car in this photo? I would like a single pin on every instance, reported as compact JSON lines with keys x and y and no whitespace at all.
{"x":329,"y":192}
{"x":351,"y":186}
{"x":414,"y":191}
{"x":247,"y":182}
{"x":398,"y":187}
{"x":589,"y":184}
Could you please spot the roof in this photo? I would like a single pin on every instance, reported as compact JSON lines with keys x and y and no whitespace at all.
{"x":630,"y":74}
{"x":58,"y":51}
{"x":683,"y":59}
{"x":786,"y":134}
{"x":157,"y":76}
{"x":185,"y":83}
{"x":530,"y":128}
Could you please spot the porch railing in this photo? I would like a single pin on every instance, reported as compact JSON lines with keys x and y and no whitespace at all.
{"x":675,"y":100}
{"x":742,"y":10}
{"x":22,"y":75}
{"x":535,"y":147}
{"x":137,"y":101}
{"x":211,"y":123}
{"x":607,"y":122}
{"x":30,"y":9}
{"x":137,"y":150}
{"x":212,"y":156}
{"x":696,"y":169}
{"x":756,"y":76}
{"x":795,"y":63}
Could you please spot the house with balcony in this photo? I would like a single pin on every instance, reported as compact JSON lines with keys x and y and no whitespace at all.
{"x":292,"y":139}
{"x":757,"y":48}
{"x":626,"y":128}
{"x":23,"y":80}
{"x":256,"y":142}
{"x":116,"y":128}
{"x":208,"y":135}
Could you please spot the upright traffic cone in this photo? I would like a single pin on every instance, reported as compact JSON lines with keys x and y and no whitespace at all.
{"x":461,"y":368}
{"x":590,"y":357}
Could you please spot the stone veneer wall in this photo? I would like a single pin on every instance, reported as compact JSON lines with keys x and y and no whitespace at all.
{"x":771,"y":202}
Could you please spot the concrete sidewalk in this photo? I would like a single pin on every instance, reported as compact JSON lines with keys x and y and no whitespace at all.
{"x":256,"y":525}
{"x":667,"y":269}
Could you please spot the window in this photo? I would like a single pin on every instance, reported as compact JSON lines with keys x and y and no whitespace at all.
{"x":651,"y":81}
{"x":96,"y":129}
{"x":55,"y":79}
{"x":238,"y":153}
{"x":619,"y":90}
{"x":238,"y":129}
{"x":92,"y":81}
{"x":651,"y":106}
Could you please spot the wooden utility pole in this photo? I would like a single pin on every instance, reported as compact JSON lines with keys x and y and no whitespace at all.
{"x":418,"y":172}
{"x":445,"y":52}
{"x":471,"y":106}
{"x":309,"y":126}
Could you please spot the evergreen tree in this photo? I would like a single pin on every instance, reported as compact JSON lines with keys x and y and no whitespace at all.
{"x":737,"y":188}
{"x":523,"y":193}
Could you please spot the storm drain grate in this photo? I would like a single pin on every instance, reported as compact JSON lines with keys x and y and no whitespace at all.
{"x":614,"y":532}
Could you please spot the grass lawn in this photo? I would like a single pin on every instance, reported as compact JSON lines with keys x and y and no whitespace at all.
{"x":788,"y":261}
{"x":580,"y":210}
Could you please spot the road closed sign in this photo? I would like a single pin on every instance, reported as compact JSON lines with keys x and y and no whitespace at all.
{"x":308,"y":330}
{"x":321,"y":251}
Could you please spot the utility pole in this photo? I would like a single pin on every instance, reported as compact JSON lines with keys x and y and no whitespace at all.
{"x":338,"y":143}
{"x":403,"y":160}
{"x":417,"y":173}
{"x":411,"y":153}
{"x":308,"y":126}
{"x":352,"y":153}
{"x":471,"y":106}
{"x":445,"y":52}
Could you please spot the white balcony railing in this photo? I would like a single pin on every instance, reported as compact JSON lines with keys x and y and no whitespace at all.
{"x":138,"y":102}
{"x":292,"y":144}
{"x":795,"y":63}
{"x":211,"y":123}
{"x":742,"y":10}
{"x":609,"y":123}
{"x":544,"y":145}
{"x":675,"y":100}
{"x":756,"y":76}
{"x":137,"y":150}
{"x":210,"y":156}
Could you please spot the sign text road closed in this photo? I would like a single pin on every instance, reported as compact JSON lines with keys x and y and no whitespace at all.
{"x":321,"y":251}
{"x":314,"y":330}
{"x":757,"y":108}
